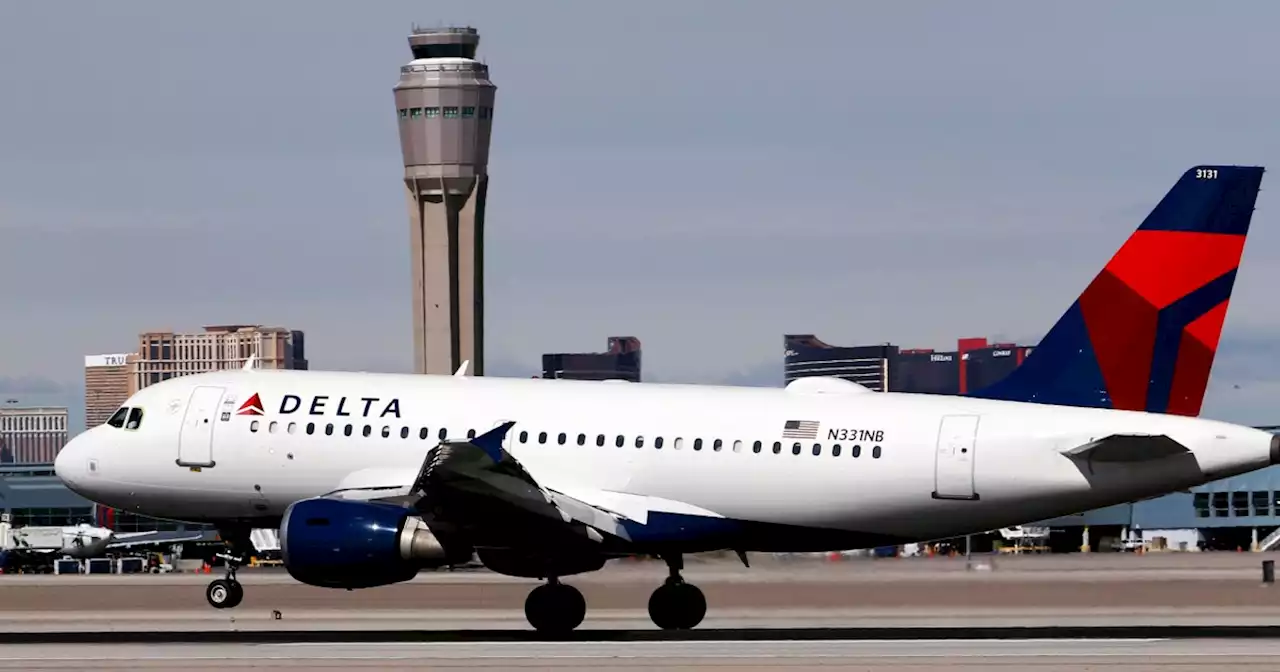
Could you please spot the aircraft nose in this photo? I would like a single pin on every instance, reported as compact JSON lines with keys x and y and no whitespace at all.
{"x":69,"y":464}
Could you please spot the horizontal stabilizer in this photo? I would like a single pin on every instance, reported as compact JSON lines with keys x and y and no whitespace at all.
{"x":1128,"y":448}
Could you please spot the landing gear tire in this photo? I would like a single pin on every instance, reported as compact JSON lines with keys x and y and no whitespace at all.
{"x":224,"y":593}
{"x":555,"y":608}
{"x":677,"y":605}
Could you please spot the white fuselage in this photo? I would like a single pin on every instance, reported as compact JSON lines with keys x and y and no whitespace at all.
{"x":925,"y":467}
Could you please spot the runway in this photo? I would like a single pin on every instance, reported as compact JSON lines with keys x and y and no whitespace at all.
{"x":1137,"y":655}
{"x":1078,"y":612}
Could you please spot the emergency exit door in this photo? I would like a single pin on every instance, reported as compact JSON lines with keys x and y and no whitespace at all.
{"x":954,"y":459}
{"x":195,"y":442}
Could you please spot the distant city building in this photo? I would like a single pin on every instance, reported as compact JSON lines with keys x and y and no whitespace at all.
{"x":106,"y":385}
{"x":32,"y":435}
{"x":620,"y":362}
{"x":164,"y":354}
{"x":974,"y":364}
{"x":867,"y":365}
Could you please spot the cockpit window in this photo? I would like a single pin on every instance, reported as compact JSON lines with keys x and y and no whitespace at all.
{"x":135,"y":418}
{"x":117,"y":418}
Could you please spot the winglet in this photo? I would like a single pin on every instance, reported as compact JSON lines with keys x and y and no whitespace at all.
{"x":462,"y":370}
{"x":251,"y":363}
{"x":491,"y":441}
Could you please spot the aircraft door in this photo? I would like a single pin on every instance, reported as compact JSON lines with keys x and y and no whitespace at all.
{"x":195,"y":443}
{"x":954,"y":460}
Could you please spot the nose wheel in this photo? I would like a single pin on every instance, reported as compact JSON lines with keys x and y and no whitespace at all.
{"x":224,"y":593}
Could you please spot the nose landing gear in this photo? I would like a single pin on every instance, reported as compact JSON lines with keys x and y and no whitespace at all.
{"x":227,"y":593}
{"x":224,"y":593}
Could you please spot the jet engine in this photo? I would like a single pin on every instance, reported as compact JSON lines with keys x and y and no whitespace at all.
{"x":335,"y":543}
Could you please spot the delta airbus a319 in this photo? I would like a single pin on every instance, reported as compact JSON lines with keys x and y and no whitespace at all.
{"x":373,"y":477}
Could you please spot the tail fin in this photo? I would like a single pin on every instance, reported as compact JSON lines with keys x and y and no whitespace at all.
{"x":1143,"y":335}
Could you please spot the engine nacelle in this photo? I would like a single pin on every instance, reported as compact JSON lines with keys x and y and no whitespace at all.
{"x":335,"y":543}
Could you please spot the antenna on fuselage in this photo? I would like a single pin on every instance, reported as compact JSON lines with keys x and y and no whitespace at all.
{"x":462,"y":370}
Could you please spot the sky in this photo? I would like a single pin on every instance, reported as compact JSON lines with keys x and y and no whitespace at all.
{"x":705,"y":176}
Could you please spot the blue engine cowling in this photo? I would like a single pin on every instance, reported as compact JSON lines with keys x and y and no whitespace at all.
{"x":335,"y":543}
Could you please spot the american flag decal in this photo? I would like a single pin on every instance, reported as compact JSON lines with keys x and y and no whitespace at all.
{"x":800,"y":429}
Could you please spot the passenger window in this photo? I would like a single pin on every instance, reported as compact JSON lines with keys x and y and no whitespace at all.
{"x":253,"y":426}
{"x":716,"y":445}
{"x":404,"y":432}
{"x":777,"y":447}
{"x":442,"y":433}
{"x":755,"y":447}
{"x":582,"y":439}
{"x":835,"y":450}
{"x":524,"y":437}
{"x":679,"y":443}
{"x":293,"y":427}
{"x":657,"y":443}
{"x":347,"y":429}
{"x":875,"y":453}
{"x":817,"y":449}
{"x":600,"y":439}
{"x":639,"y":442}
{"x":856,"y":451}
{"x":271,"y":427}
{"x":311,"y":428}
{"x":542,"y":437}
{"x":117,"y":419}
{"x":135,"y":418}
{"x":737,"y":446}
{"x":697,"y":444}
{"x":328,"y":429}
{"x":367,"y":431}
{"x":423,"y":434}
{"x":561,"y":439}
{"x":795,"y":448}
{"x":620,"y":440}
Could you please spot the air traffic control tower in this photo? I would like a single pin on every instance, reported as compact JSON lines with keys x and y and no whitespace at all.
{"x":444,"y":102}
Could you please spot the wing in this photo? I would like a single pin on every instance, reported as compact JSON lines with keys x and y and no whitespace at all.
{"x":477,"y":487}
{"x":131,"y":539}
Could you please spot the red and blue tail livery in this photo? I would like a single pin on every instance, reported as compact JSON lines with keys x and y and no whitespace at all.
{"x":1143,"y":335}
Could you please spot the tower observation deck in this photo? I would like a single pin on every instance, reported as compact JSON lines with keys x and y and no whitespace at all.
{"x":444,"y":106}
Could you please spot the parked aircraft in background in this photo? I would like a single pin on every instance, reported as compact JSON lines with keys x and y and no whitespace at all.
{"x":41,"y":545}
{"x":372,"y":477}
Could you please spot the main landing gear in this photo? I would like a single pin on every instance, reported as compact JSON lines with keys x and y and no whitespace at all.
{"x":677,"y":605}
{"x":227,"y":593}
{"x":558,"y":608}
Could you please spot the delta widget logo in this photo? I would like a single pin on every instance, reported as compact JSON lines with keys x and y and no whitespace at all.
{"x":251,"y":406}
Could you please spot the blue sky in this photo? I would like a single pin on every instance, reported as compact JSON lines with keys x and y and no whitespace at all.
{"x":706,"y":176}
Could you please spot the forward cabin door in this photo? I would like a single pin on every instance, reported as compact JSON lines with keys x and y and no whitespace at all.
{"x":957,"y":450}
{"x":195,"y":443}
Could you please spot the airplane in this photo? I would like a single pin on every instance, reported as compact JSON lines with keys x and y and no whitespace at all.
{"x":38,"y":545}
{"x":373,"y":477}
